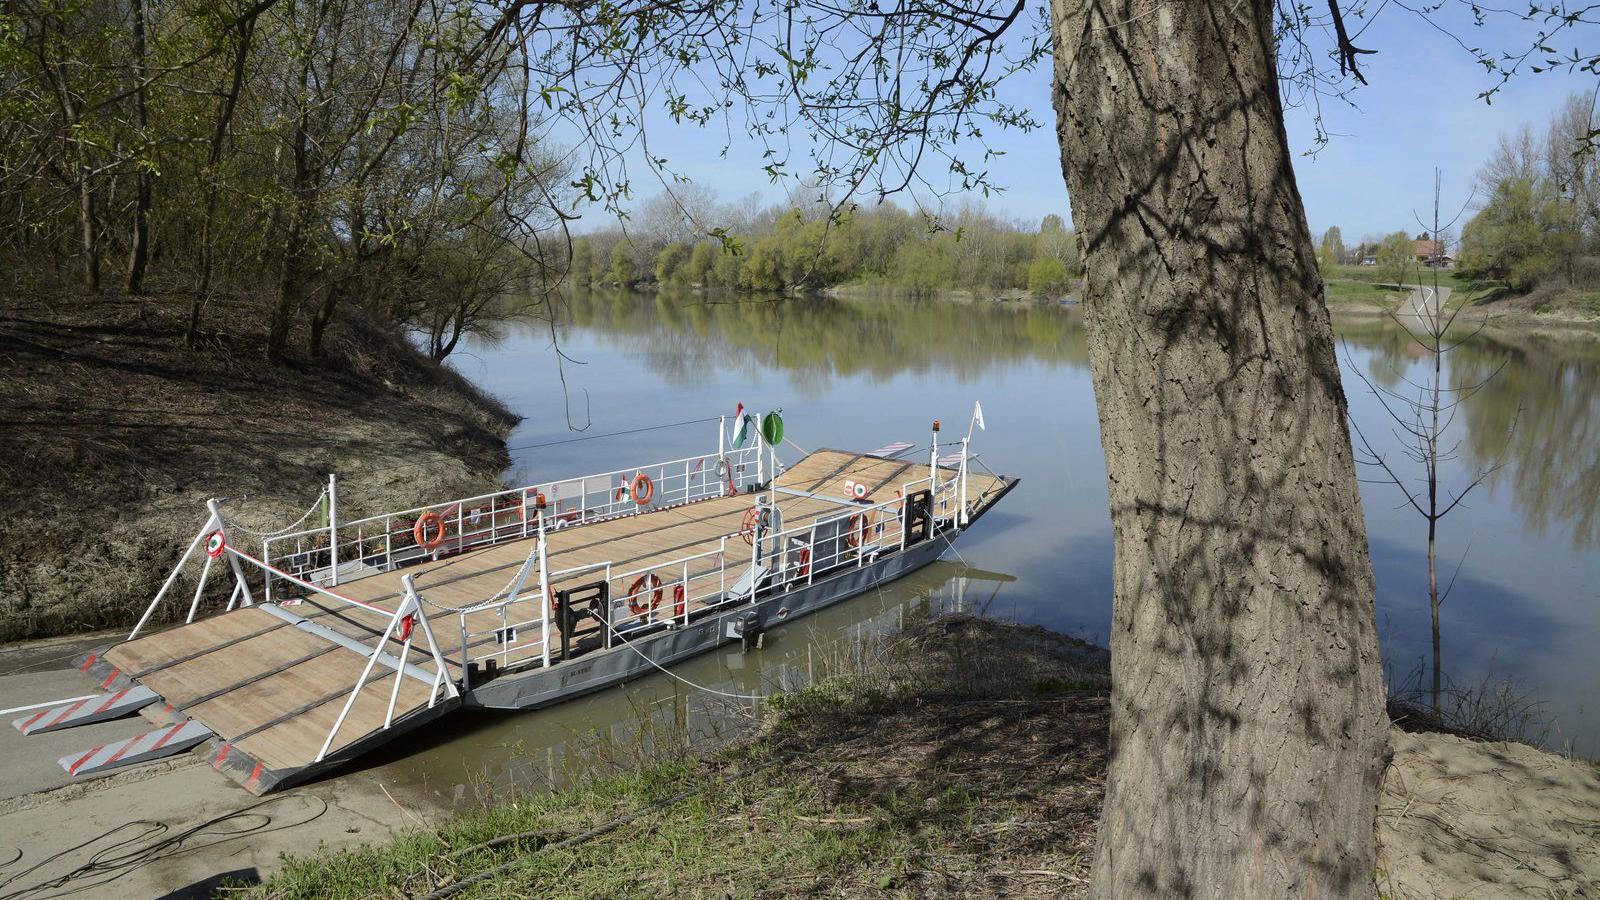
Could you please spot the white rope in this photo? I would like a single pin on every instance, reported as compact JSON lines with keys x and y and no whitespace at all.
{"x":698,"y":687}
{"x":234,"y":523}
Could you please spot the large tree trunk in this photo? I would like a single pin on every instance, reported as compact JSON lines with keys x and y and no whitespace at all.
{"x":1248,"y":732}
{"x":139,"y":243}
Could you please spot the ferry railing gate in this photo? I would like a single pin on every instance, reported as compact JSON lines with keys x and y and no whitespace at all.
{"x":210,"y":526}
{"x":409,"y":611}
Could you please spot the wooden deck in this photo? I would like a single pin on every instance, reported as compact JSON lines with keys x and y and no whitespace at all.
{"x":273,"y":690}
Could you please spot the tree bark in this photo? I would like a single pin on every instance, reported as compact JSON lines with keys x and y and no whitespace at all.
{"x":1248,"y":732}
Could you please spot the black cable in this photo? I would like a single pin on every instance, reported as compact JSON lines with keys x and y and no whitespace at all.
{"x":596,"y":437}
{"x":128,"y":854}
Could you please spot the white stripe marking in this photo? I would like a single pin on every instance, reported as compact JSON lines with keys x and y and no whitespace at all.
{"x":16,"y":709}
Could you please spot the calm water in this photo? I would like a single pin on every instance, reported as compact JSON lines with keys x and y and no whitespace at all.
{"x":860,"y":374}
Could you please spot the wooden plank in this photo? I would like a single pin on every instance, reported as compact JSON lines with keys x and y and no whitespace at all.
{"x":165,"y":646}
{"x":295,"y":743}
{"x":260,"y":702}
{"x":182,"y":684}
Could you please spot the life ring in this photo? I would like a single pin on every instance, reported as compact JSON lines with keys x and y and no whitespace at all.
{"x":725,"y":474}
{"x":651,"y":582}
{"x":857,"y":528}
{"x":803,"y":562}
{"x":406,"y":624}
{"x":678,"y":601}
{"x":427,"y":520}
{"x":747,"y":525}
{"x":643,"y":489}
{"x":216,"y":544}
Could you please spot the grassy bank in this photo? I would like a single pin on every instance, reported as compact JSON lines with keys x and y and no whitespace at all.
{"x":116,"y":434}
{"x":969,"y":761}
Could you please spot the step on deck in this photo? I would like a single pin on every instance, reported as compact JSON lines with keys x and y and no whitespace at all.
{"x":140,"y":748}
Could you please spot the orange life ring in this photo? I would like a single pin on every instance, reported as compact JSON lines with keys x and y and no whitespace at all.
{"x":643,"y":489}
{"x":651,"y":582}
{"x":856,"y":530}
{"x":419,"y":531}
{"x":725,"y":469}
{"x":678,"y":601}
{"x":804,"y":561}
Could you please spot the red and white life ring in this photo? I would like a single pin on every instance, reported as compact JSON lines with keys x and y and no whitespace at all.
{"x":859,"y":527}
{"x":429,"y":520}
{"x":216,"y":544}
{"x":643,"y":489}
{"x":650,"y":582}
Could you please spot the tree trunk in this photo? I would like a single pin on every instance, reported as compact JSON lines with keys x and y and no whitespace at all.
{"x":139,"y":245}
{"x":89,"y":234}
{"x":1248,"y":735}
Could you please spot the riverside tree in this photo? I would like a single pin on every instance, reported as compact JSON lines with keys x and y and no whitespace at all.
{"x":1248,"y":731}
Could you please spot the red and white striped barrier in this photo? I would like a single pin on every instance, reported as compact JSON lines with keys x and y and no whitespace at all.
{"x":891,"y":450}
{"x":97,"y":708}
{"x":143,"y":748}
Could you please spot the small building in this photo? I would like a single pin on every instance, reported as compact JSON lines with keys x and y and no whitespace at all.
{"x":1431,"y":254}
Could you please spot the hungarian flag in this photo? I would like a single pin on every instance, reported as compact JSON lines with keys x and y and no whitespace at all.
{"x":743,"y":425}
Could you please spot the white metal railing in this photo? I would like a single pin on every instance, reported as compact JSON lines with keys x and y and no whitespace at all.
{"x":390,"y":540}
{"x":667,"y":594}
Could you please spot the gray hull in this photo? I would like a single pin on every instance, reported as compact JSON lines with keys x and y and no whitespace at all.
{"x":537,"y":688}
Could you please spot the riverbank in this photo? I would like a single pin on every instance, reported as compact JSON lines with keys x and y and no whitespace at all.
{"x":117,"y":434}
{"x":968,"y":761}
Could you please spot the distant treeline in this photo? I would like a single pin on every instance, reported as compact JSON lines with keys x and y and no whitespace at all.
{"x":800,"y":248}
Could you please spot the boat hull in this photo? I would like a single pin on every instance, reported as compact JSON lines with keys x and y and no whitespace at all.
{"x":539,"y":688}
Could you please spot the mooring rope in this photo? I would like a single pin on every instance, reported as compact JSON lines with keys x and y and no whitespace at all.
{"x":698,"y":687}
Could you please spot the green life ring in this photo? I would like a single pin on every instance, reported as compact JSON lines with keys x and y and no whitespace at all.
{"x":772,"y":428}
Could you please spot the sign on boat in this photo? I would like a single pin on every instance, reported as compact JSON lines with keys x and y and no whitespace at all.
{"x":338,"y":639}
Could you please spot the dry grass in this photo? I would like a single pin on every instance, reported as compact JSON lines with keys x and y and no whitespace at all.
{"x":114,"y":435}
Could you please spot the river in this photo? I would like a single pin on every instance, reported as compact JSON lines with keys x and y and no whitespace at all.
{"x":858,"y":374}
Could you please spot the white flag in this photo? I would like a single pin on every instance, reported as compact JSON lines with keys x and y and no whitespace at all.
{"x":977,"y":415}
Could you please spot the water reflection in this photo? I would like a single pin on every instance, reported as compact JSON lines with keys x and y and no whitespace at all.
{"x":686,"y":335}
{"x":1546,"y":385}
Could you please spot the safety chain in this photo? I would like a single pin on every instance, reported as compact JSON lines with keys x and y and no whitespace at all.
{"x":234,"y":523}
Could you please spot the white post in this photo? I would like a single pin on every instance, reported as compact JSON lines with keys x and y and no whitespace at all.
{"x":933,"y":459}
{"x":544,"y":589}
{"x":761,"y":457}
{"x":205,"y":574}
{"x":962,"y":517}
{"x":233,"y":561}
{"x":333,"y":529}
{"x":173,"y":575}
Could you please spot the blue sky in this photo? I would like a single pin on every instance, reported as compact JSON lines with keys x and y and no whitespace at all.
{"x":1420,"y":110}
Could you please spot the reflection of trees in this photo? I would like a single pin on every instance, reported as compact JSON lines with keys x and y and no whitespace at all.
{"x":1554,"y":454}
{"x":685,"y":335}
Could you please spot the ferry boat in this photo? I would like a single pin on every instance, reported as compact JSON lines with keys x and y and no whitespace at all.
{"x":339,"y":638}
